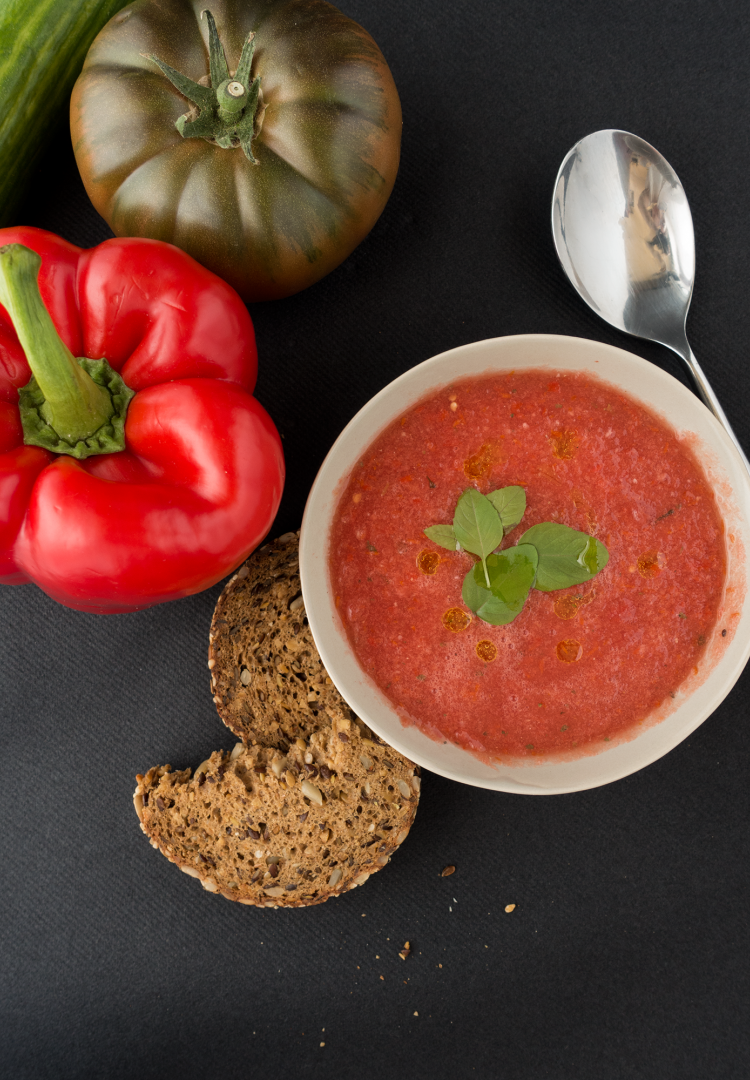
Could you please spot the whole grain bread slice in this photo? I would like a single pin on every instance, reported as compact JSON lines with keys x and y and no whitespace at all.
{"x":284,"y":829}
{"x":268,"y":681}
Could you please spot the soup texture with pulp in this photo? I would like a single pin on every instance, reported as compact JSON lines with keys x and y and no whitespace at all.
{"x":579,"y":667}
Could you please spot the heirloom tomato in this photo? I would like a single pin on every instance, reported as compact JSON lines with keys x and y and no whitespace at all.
{"x":262,"y":136}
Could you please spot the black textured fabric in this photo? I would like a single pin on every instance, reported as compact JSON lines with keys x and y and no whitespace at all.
{"x":626,"y":955}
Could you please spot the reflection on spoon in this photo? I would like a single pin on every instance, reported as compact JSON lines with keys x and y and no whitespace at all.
{"x":624,"y":235}
{"x":647,"y":247}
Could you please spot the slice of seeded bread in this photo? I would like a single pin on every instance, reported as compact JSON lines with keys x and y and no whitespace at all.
{"x":268,"y":680}
{"x":284,"y":829}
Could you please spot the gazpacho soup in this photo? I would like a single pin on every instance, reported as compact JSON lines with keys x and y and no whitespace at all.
{"x":528,"y":564}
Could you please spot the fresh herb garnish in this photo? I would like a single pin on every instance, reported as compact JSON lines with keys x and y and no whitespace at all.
{"x":510,"y":503}
{"x":548,"y":556}
{"x":443,"y":536}
{"x":566,"y":556}
{"x":511,"y":576}
{"x":477,"y":526}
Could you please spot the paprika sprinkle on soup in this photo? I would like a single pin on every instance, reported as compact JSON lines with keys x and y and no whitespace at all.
{"x":591,"y":463}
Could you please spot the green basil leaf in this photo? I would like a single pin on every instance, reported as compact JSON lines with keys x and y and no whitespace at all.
{"x":497,"y":613}
{"x":477,"y":525}
{"x":486,"y":606}
{"x":594,"y":556}
{"x":511,"y":574}
{"x":510,"y":503}
{"x":566,"y":556}
{"x":474,"y":593}
{"x":442,"y":535}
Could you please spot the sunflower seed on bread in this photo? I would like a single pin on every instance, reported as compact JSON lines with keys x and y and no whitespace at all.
{"x":267,"y":678}
{"x":287,"y":829}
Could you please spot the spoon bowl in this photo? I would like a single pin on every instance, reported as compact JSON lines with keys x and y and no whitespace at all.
{"x":624,"y":235}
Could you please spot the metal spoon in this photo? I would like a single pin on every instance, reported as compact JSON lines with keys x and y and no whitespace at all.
{"x":624,"y":235}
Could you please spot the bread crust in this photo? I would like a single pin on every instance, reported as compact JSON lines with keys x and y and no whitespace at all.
{"x":284,"y":830}
{"x":310,"y":803}
{"x":268,"y":681}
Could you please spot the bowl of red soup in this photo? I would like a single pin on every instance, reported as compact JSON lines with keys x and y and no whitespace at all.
{"x":524,"y":563}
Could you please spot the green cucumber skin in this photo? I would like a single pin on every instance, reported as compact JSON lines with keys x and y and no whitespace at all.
{"x":43,"y":44}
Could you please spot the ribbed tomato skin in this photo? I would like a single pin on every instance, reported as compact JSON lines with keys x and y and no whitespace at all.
{"x":327,"y":143}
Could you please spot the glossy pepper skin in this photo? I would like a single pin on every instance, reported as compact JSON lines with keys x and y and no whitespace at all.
{"x":200,"y":480}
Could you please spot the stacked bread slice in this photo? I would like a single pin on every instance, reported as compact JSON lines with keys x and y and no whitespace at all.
{"x":310,"y":803}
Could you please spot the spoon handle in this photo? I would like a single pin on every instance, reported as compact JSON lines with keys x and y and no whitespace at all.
{"x":710,"y":399}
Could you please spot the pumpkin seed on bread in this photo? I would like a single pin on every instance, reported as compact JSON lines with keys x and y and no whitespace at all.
{"x":268,"y":681}
{"x":284,"y":829}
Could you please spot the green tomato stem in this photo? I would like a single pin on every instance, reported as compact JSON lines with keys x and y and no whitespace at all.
{"x":231,"y":96}
{"x":228,"y":108}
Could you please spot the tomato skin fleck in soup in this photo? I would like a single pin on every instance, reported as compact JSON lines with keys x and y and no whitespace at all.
{"x":578,"y":667}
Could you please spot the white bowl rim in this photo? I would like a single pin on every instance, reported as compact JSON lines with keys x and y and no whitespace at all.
{"x":626,"y":372}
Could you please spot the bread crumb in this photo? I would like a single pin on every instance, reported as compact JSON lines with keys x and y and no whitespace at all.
{"x":447,"y":871}
{"x":510,"y":907}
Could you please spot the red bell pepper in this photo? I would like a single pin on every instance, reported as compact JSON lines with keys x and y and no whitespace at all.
{"x":199,"y":480}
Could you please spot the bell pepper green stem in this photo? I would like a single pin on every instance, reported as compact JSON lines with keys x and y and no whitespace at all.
{"x":74,"y":405}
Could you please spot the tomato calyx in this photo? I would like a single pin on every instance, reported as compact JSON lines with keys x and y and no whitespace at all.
{"x":228,"y":108}
{"x":71,"y":405}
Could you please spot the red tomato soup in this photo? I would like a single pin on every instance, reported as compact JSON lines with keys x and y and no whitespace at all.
{"x":580,"y":666}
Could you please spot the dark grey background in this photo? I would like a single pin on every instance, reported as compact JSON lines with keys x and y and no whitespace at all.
{"x":626,"y":955}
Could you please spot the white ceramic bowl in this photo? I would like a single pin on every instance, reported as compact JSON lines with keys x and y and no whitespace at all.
{"x":642,"y":381}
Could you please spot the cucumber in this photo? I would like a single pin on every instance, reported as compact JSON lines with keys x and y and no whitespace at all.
{"x":43,"y":44}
